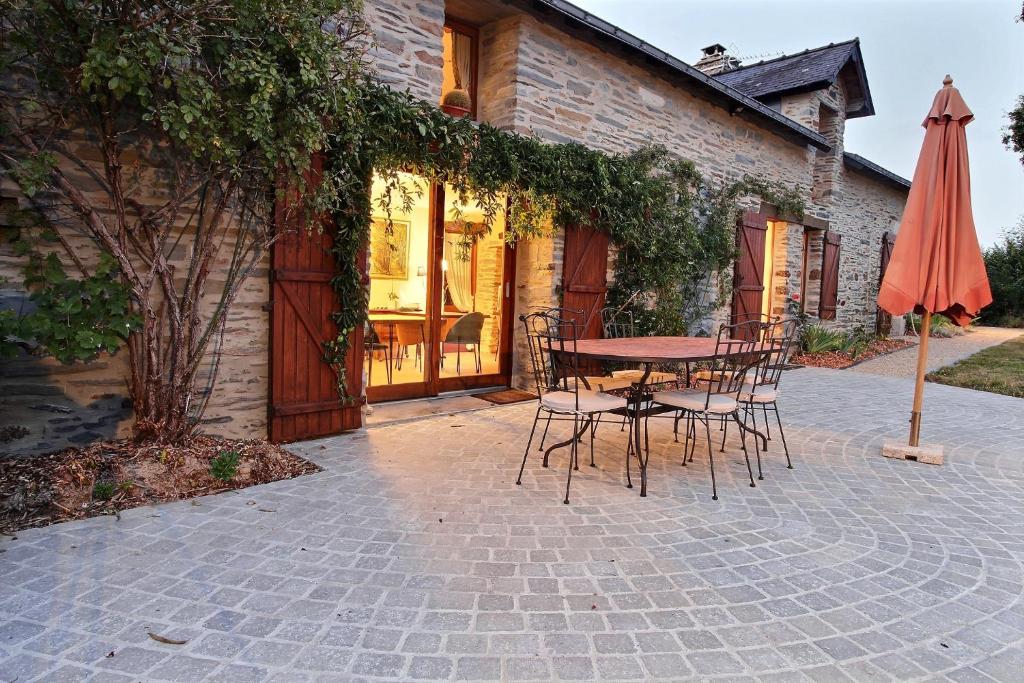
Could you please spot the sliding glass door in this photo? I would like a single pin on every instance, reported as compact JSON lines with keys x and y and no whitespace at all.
{"x":440,"y":294}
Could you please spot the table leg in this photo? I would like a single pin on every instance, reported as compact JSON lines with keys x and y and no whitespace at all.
{"x":641,"y":456}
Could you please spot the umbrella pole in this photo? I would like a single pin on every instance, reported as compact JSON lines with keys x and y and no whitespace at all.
{"x":922,"y":362}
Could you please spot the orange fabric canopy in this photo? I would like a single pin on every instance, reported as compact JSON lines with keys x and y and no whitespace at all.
{"x":936,"y":264}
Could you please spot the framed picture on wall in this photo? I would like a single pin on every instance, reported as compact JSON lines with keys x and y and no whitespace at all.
{"x":389,"y":253}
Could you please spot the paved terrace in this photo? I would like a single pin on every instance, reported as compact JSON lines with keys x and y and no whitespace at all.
{"x":413,"y":555}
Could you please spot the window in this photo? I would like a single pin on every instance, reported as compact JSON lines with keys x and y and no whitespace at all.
{"x":460,"y":54}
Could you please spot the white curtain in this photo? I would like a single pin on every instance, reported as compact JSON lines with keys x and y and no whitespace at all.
{"x":462,"y":60}
{"x":459,"y":275}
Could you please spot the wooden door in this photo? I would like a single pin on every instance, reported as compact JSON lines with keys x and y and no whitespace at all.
{"x":304,"y":399}
{"x":829,"y":275}
{"x":748,"y":275}
{"x":585,"y":277}
{"x":883,"y":321}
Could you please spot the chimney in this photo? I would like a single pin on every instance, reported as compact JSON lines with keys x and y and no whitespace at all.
{"x":716,"y":60}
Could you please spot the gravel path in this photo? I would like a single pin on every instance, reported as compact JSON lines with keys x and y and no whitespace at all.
{"x":941,"y":352}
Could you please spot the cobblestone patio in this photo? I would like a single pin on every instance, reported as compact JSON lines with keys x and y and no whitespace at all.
{"x":414,"y":556}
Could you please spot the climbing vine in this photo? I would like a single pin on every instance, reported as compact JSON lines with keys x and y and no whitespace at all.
{"x":673,"y":230}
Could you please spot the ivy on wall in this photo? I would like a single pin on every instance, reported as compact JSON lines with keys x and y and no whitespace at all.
{"x":671,"y":227}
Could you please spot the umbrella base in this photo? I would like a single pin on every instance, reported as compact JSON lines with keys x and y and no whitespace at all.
{"x":930,"y":454}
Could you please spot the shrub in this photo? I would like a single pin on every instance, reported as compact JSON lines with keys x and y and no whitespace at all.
{"x":103,"y":490}
{"x":817,"y":339}
{"x":225,"y":465}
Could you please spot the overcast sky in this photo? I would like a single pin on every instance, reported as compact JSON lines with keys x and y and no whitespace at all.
{"x":908,"y":47}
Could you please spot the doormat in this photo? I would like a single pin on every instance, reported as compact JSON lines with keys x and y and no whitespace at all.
{"x":507,"y":396}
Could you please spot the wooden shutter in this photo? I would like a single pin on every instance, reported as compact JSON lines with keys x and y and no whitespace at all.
{"x":748,"y":274}
{"x":304,"y":400}
{"x":585,"y":276}
{"x":883,"y":321}
{"x":829,"y":275}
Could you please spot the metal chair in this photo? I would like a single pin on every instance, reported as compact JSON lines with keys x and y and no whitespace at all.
{"x":734,"y":358}
{"x":562,"y":392}
{"x":762,"y":385}
{"x":466,"y":331}
{"x":617,"y":323}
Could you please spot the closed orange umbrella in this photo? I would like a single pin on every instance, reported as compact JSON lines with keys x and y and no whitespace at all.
{"x":936,"y":264}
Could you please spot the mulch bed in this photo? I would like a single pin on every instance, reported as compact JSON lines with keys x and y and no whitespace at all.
{"x":838,"y":360}
{"x":45,"y":489}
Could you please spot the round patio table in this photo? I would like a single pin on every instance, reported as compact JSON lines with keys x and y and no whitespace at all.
{"x":647,"y":351}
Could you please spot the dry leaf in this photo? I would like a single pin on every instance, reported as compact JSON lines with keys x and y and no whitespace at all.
{"x":167,"y":641}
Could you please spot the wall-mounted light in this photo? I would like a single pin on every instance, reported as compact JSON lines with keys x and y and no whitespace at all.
{"x":444,"y":265}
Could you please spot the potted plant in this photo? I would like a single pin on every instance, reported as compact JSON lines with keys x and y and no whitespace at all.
{"x":457,"y":103}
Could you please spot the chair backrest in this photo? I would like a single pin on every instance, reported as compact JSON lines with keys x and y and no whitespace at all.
{"x":552,"y":336}
{"x":466,"y":329}
{"x":779,"y":338}
{"x":617,"y":323}
{"x":735,"y":357}
{"x":370,"y":337}
{"x":409,"y":333}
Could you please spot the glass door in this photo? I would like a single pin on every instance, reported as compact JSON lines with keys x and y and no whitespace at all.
{"x":398,"y":342}
{"x":440,"y":309}
{"x":474,"y":296}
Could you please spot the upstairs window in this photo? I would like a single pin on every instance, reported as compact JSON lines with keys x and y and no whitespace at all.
{"x":459,"y":84}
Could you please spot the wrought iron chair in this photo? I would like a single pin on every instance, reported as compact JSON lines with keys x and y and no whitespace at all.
{"x":734,"y":358}
{"x":617,"y":323}
{"x":762,"y":385}
{"x":562,"y":392}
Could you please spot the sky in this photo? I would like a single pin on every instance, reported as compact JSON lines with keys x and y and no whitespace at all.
{"x":908,"y":47}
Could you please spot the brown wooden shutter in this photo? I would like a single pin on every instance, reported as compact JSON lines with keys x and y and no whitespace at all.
{"x":748,"y":274}
{"x":829,"y":275}
{"x":883,"y":321}
{"x":304,"y":400}
{"x":585,"y":276}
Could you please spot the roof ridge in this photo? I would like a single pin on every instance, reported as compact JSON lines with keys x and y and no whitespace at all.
{"x":852,"y":41}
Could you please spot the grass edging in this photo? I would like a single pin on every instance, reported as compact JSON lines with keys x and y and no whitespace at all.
{"x":998,"y":369}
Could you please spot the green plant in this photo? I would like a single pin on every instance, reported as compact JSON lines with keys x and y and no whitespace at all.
{"x":154,"y":139}
{"x":458,"y":98}
{"x":225,"y":465}
{"x":818,"y":339}
{"x":855,"y":343}
{"x":103,"y":490}
{"x":1005,"y":265}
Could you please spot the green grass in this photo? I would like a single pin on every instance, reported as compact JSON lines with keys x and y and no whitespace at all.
{"x":997,"y":369}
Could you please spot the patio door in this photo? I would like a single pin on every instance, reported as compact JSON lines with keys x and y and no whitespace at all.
{"x":749,"y":285}
{"x":440,"y":313}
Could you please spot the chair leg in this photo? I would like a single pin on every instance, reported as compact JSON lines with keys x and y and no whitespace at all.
{"x":572,"y":457}
{"x":593,"y":431}
{"x":686,"y":441}
{"x":693,"y":435}
{"x":544,"y":436}
{"x":743,"y":442}
{"x":536,"y":418}
{"x":751,"y":411}
{"x":725,"y":433}
{"x":767,"y":428}
{"x":782,"y":433}
{"x":711,"y":459}
{"x":629,"y":455}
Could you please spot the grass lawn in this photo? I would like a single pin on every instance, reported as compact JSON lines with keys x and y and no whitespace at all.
{"x":998,"y":369}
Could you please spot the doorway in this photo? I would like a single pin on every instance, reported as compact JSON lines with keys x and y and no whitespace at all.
{"x":440,"y":308}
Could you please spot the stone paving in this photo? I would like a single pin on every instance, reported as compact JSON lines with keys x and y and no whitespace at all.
{"x":941,"y":352}
{"x":414,"y":556}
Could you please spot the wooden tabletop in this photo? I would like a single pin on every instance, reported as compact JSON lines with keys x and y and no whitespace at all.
{"x":648,"y":349}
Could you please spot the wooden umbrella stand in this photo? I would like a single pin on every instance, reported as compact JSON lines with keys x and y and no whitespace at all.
{"x":913,"y":450}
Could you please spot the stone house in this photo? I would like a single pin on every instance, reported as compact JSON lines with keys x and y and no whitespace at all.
{"x":444,"y":319}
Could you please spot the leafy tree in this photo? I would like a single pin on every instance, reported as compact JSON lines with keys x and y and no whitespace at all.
{"x":1013,"y":134}
{"x":151,"y":136}
{"x":1005,"y":265}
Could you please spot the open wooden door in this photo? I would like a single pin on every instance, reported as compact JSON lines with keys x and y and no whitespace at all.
{"x":748,"y":275}
{"x":304,"y":401}
{"x":585,"y":276}
{"x":883,"y":321}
